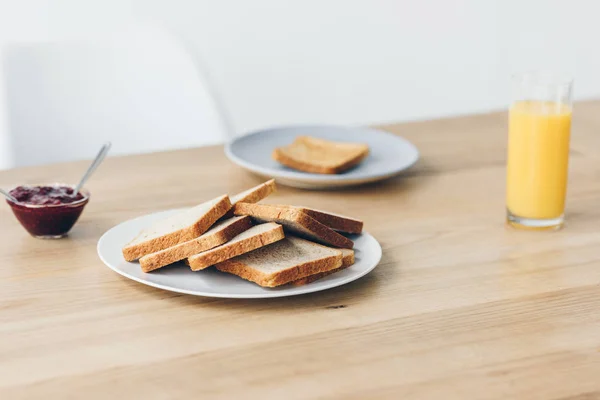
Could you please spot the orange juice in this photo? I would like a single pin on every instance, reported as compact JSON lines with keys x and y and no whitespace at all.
{"x":538,"y":158}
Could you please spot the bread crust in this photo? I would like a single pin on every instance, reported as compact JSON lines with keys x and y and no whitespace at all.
{"x":335,"y":222}
{"x":347,"y":260}
{"x":296,"y":221}
{"x":229,"y":250}
{"x":135,"y":251}
{"x":206,"y":241}
{"x":281,"y":278}
{"x":257,"y":194}
{"x":260,"y":192}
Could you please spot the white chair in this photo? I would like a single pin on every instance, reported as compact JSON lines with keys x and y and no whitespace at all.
{"x":139,"y":89}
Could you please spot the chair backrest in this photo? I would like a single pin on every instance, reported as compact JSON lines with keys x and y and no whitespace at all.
{"x":140,"y":90}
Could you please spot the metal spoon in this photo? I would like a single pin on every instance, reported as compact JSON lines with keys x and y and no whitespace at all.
{"x":8,"y":196}
{"x":101,"y":154}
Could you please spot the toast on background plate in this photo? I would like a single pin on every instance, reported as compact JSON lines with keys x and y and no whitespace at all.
{"x":185,"y":225}
{"x":295,"y":221}
{"x":336,"y":222}
{"x":320,"y":156}
{"x":220,"y":233}
{"x":252,"y":195}
{"x":283,"y":262}
{"x":347,"y":261}
{"x":252,"y":239}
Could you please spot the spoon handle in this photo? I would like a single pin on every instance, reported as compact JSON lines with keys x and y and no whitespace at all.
{"x":8,"y":196}
{"x":101,"y":154}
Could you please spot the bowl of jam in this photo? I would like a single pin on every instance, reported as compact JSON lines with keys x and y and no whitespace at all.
{"x":48,"y":211}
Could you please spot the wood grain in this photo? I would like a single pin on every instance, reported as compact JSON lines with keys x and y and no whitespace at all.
{"x":460,"y":307}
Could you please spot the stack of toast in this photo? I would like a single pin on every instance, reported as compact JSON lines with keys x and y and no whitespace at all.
{"x":270,"y":245}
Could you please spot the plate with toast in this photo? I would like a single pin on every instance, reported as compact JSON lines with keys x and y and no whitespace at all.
{"x":321,"y":157}
{"x":237,"y":247}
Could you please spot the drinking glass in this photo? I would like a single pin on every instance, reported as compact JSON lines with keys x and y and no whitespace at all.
{"x":538,"y":150}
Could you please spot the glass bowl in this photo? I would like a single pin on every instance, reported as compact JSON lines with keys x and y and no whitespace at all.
{"x":49,"y":221}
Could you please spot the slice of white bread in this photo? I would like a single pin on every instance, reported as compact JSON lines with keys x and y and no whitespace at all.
{"x":336,"y":222}
{"x":320,"y":156}
{"x":295,"y":221}
{"x":252,"y":239}
{"x":183,"y":226}
{"x":286,"y":261}
{"x":220,"y":233}
{"x":347,"y":260}
{"x":253,"y":195}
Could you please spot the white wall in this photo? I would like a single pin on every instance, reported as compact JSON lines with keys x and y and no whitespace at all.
{"x":350,"y":62}
{"x":366,"y":61}
{"x":139,"y":89}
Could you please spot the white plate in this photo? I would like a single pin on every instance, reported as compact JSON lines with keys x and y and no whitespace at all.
{"x":212,"y":283}
{"x":389,"y":155}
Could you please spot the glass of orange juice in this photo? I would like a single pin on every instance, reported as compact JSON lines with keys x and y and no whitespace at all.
{"x":538,"y":150}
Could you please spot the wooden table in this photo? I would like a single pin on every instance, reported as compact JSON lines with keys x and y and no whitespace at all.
{"x":460,"y":306}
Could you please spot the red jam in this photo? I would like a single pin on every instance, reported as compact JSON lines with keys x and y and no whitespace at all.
{"x":45,"y":195}
{"x":47,"y":211}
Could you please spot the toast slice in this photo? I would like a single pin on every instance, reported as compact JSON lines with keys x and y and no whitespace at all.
{"x":320,"y":156}
{"x":252,"y":239}
{"x":286,"y":261}
{"x":295,"y":221}
{"x":220,"y":233}
{"x":183,"y":226}
{"x":347,"y":260}
{"x":253,"y":195}
{"x":336,"y":222}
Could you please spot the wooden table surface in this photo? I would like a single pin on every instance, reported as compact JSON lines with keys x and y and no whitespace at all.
{"x":460,"y":307}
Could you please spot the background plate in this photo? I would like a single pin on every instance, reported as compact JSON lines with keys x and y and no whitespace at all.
{"x":389,"y":155}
